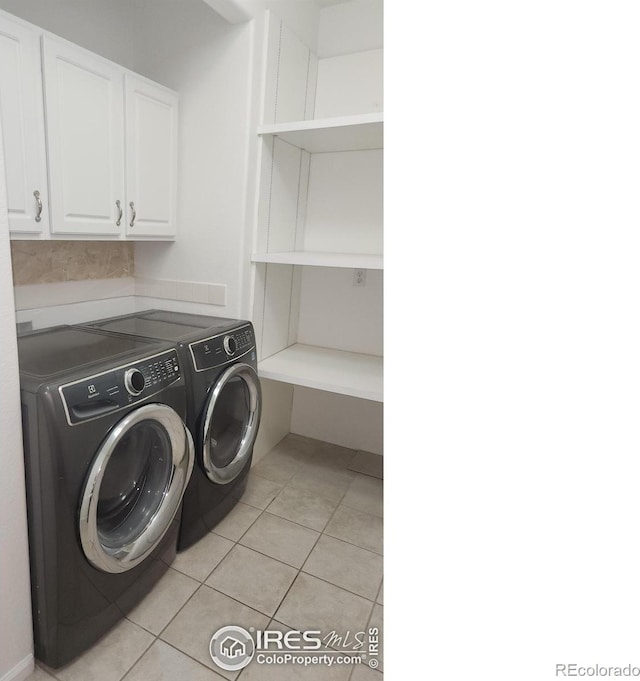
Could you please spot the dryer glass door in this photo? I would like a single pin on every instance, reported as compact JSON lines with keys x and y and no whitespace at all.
{"x":134,"y":487}
{"x":230,"y":423}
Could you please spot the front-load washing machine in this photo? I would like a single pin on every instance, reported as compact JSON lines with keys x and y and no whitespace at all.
{"x":107,"y":461}
{"x":223,"y":405}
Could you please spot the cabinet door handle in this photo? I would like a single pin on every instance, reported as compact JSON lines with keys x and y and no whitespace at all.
{"x":133,"y":213}
{"x":119,"y":207}
{"x":36,"y":193}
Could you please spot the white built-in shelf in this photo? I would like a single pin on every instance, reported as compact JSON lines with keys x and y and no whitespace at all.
{"x":360,"y":261}
{"x":343,"y":133}
{"x":336,"y":371}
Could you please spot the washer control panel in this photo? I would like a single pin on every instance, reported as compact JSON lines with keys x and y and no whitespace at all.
{"x":218,"y":350}
{"x":109,"y":391}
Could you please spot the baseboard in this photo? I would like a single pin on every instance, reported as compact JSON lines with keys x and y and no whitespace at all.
{"x":21,"y":671}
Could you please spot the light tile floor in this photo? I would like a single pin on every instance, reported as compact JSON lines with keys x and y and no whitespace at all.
{"x":302,"y":550}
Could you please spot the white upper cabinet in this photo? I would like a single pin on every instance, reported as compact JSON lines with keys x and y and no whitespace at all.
{"x":85,"y":132}
{"x":97,"y":157}
{"x":90,"y":148}
{"x":22,"y":123}
{"x":151,"y":157}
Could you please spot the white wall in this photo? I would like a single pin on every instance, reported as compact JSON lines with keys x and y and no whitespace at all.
{"x":336,"y":314}
{"x":344,"y":202}
{"x":349,"y":27}
{"x":345,"y":421}
{"x":217,"y":70}
{"x":275,"y":423}
{"x":102,"y":27}
{"x":336,"y":96}
{"x":188,"y":48}
{"x":350,"y":51}
{"x":16,"y":648}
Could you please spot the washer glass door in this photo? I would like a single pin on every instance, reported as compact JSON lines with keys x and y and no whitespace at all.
{"x":230,"y":423}
{"x":135,"y":487}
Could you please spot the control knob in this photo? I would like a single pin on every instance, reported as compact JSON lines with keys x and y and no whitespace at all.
{"x":230,"y":345}
{"x":134,"y":381}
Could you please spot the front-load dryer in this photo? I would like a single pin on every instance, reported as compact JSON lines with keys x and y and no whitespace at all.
{"x":223,"y":405}
{"x":107,"y":460}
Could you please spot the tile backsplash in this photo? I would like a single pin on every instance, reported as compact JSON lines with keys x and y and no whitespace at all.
{"x":44,"y":262}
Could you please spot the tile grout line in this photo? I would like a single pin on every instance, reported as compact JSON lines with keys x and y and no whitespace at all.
{"x":182,"y":606}
{"x":183,"y":652}
{"x":303,"y":564}
{"x":237,"y":541}
{"x":320,"y":496}
{"x":201,"y":583}
{"x":139,"y":656}
{"x":344,"y":588}
{"x":158,"y":636}
{"x":266,"y":510}
{"x":300,"y":571}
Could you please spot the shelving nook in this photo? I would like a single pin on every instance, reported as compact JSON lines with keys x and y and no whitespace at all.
{"x":320,"y":218}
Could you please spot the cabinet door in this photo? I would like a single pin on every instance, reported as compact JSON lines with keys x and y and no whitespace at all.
{"x":85,"y":137}
{"x":22,"y":123}
{"x":151,"y":158}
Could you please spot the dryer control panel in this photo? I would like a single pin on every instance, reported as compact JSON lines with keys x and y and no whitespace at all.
{"x":218,"y":350}
{"x":103,"y":393}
